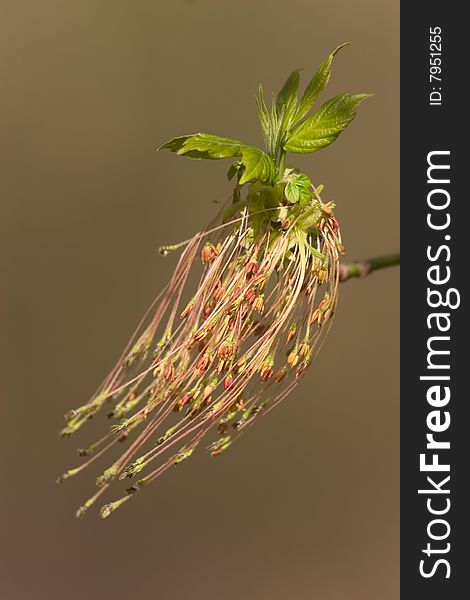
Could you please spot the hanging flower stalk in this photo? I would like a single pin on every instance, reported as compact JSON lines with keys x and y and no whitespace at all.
{"x":208,"y":363}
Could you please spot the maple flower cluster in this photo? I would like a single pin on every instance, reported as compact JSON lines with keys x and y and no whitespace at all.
{"x":210,"y":361}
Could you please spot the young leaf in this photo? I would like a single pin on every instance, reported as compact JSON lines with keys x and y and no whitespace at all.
{"x":204,"y":145}
{"x":286,"y":107}
{"x":301,"y":180}
{"x":263,"y":113}
{"x":277,"y":121}
{"x":234,"y":169}
{"x":288,"y":94}
{"x":174,"y":144}
{"x":258,"y":165}
{"x":305,"y":196}
{"x":279,"y":126}
{"x":316,"y":85}
{"x":297,"y":190}
{"x":324,"y":126}
{"x":292,"y":192}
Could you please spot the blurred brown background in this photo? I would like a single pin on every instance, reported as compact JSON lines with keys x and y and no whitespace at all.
{"x":306,"y":505}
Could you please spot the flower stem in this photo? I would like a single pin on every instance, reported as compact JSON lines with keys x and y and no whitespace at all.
{"x":282,"y":163}
{"x":365,"y":267}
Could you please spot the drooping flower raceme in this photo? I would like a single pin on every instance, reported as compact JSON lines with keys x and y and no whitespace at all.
{"x":204,"y":365}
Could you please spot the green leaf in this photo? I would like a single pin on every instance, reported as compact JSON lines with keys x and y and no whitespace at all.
{"x":292,"y":192}
{"x":303,"y":181}
{"x":174,"y":144}
{"x":286,"y":108}
{"x":263,"y":113}
{"x":288,"y":93}
{"x":234,"y":169}
{"x":258,"y":165}
{"x":324,"y":126}
{"x":297,"y":190}
{"x":204,"y":145}
{"x":316,"y":85}
{"x":310,"y":217}
{"x":305,"y":197}
{"x":276,"y":118}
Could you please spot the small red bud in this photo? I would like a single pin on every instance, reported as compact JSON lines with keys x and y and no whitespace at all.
{"x":169,"y":373}
{"x":322,"y":275}
{"x":199,"y":335}
{"x":187,"y":310}
{"x":291,"y":334}
{"x":258,"y":304}
{"x":293,"y":358}
{"x":226,"y":349}
{"x":208,"y":253}
{"x":266,"y":373}
{"x":251,"y":267}
{"x":314,"y":318}
{"x":203,"y":363}
{"x":228,"y":382}
{"x":250,"y":295}
{"x":219,"y":293}
{"x":185,"y":399}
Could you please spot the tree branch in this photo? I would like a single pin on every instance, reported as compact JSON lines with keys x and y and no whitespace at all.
{"x":365,"y":267}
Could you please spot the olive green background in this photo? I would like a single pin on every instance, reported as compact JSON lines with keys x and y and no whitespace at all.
{"x":306,"y":505}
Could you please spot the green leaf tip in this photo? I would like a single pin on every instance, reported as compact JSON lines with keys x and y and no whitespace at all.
{"x":174,"y":144}
{"x":318,"y":82}
{"x":338,"y":48}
